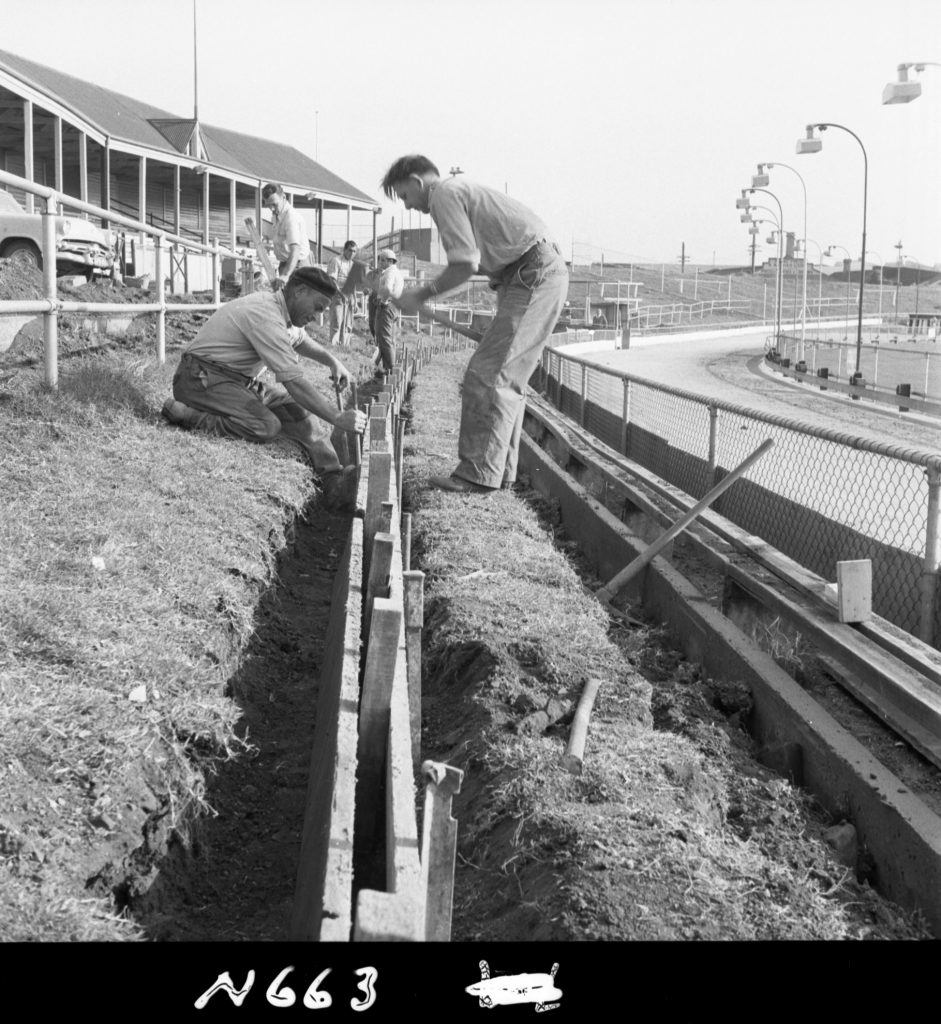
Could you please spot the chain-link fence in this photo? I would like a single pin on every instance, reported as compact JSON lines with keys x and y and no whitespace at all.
{"x":819,"y":496}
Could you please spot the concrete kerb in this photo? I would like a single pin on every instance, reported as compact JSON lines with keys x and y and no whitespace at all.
{"x":900,"y":832}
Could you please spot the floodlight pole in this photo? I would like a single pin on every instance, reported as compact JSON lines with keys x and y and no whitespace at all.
{"x":849,"y":262}
{"x":819,"y":274}
{"x":780,"y":281}
{"x":822,"y":126}
{"x":800,"y":178}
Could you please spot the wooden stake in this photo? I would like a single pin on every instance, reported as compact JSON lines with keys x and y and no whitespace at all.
{"x":413,"y":583}
{"x":575,"y":751}
{"x":439,"y":848}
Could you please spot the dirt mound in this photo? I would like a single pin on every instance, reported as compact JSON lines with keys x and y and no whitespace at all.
{"x":19,"y":280}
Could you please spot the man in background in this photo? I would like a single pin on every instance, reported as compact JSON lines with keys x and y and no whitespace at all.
{"x":484,"y":230}
{"x":386,"y":284}
{"x":288,"y":234}
{"x":217,"y":388}
{"x":343,"y":269}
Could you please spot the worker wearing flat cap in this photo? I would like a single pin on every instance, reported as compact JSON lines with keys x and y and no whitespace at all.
{"x":386,"y":283}
{"x":217,"y":388}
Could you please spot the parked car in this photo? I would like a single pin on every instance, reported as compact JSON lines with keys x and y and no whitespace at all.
{"x":81,"y":247}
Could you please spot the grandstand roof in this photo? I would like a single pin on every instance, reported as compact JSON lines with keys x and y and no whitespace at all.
{"x":124,"y":119}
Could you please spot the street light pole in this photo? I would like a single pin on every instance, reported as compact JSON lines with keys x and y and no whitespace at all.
{"x":849,"y":262}
{"x":819,"y":274}
{"x":898,"y":275}
{"x":812,"y":145}
{"x":763,"y":179}
{"x":780,"y":276}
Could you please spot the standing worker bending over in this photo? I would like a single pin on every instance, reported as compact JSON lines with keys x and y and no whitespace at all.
{"x":288,"y":234}
{"x":216,"y":386}
{"x":485,"y":231}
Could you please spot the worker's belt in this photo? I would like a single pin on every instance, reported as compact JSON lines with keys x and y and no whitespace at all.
{"x":225,"y":371}
{"x":505,"y":275}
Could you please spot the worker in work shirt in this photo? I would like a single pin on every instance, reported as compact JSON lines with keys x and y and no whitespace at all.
{"x":216,"y":386}
{"x":386,"y":284}
{"x":288,"y":234}
{"x":483,"y":230}
{"x":343,"y":269}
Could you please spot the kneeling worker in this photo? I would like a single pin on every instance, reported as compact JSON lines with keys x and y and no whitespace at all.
{"x":216,"y":386}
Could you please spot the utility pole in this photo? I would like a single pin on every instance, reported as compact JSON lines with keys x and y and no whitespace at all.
{"x":682,"y":257}
{"x":898,"y":274}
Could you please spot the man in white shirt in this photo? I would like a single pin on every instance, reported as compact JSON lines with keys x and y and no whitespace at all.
{"x":386,"y":284}
{"x":485,"y":231}
{"x":288,"y":234}
{"x":343,"y":269}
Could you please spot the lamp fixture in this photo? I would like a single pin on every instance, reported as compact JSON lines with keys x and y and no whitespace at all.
{"x":810,"y":144}
{"x":903,"y":91}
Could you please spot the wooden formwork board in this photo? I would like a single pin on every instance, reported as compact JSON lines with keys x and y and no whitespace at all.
{"x":324,"y":889}
{"x":399,"y":912}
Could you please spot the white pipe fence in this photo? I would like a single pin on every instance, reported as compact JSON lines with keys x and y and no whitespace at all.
{"x":50,"y":306}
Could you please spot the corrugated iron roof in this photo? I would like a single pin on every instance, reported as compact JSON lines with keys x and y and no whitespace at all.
{"x":127,"y":119}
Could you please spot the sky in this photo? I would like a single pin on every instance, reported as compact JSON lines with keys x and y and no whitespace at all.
{"x":629,"y":126}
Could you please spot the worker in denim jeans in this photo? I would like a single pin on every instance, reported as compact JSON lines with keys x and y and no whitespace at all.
{"x":484,"y":231}
{"x":386,"y":283}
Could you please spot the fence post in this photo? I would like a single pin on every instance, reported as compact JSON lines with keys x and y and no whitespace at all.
{"x":584,"y":396}
{"x":50,"y":319}
{"x":932,"y":561}
{"x":625,"y":415}
{"x":713,"y":429}
{"x":161,"y":299}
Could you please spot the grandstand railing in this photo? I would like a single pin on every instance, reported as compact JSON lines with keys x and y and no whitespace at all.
{"x":820,"y":496}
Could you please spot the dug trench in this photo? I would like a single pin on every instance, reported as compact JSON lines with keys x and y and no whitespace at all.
{"x":672,"y":830}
